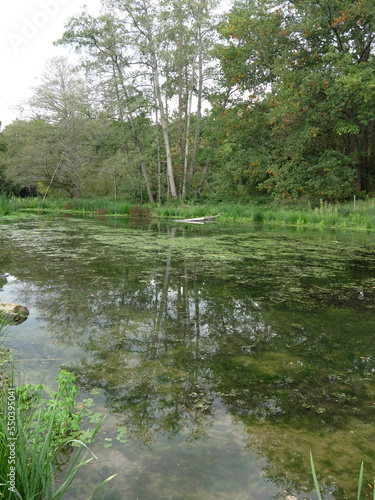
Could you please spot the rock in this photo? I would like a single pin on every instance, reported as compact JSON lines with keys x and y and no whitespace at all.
{"x":14,"y":312}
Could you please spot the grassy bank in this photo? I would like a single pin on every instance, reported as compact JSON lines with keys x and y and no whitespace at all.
{"x":361,"y":216}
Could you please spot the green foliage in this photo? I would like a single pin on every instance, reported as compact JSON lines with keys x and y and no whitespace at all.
{"x":320,"y":108}
{"x":293,"y":105}
{"x":6,"y":185}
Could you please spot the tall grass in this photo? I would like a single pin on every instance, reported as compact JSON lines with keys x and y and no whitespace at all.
{"x":324,"y":215}
{"x":36,"y":459}
{"x":8,"y":205}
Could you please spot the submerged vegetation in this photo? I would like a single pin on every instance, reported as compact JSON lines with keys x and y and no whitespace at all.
{"x":360,"y":481}
{"x":177,"y":325}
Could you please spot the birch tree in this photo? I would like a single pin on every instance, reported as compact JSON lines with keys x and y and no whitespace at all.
{"x":103,"y":40}
{"x":140,"y":18}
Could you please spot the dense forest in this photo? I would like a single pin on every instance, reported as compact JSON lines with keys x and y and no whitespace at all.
{"x":274,"y":100}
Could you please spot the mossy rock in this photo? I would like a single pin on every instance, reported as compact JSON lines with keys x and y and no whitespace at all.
{"x":14,"y":312}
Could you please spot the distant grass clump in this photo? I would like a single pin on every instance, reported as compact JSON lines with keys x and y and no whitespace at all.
{"x":124,"y":209}
{"x":7,"y":205}
{"x":369,"y":223}
{"x":270,"y":216}
{"x":304,"y":218}
{"x":257,"y":216}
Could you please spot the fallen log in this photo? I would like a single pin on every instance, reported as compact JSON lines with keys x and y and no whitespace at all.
{"x":199,"y":220}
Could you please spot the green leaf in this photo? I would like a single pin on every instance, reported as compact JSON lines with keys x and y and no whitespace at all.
{"x":314,"y":477}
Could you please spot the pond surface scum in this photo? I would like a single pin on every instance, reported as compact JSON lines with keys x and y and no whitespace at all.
{"x":228,"y":351}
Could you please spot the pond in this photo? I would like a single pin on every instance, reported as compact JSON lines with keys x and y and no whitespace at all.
{"x":227,"y":351}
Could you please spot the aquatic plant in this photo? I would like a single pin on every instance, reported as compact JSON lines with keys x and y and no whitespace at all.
{"x":36,"y":434}
{"x":316,"y":484}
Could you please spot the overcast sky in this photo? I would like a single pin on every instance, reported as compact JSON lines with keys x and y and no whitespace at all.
{"x":27,"y":30}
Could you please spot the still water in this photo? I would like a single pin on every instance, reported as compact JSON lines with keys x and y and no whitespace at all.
{"x":227,"y":352}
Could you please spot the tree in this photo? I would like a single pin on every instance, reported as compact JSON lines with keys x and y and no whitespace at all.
{"x":32,"y":153}
{"x":312,"y":64}
{"x":103,"y":42}
{"x":6,"y":186}
{"x":63,"y":100}
{"x":63,"y":147}
{"x":139,"y":19}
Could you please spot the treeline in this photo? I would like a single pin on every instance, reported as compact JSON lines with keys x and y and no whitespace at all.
{"x":273,"y":100}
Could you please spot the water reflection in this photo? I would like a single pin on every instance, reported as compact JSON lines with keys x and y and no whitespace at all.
{"x":181,"y":328}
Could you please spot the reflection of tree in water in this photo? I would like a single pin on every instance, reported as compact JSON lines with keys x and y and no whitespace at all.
{"x":184,"y":350}
{"x":171,"y":338}
{"x":149,"y":366}
{"x":168,"y":371}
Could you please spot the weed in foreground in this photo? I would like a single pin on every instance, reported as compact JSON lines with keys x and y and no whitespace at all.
{"x":316,"y":484}
{"x":35,"y":436}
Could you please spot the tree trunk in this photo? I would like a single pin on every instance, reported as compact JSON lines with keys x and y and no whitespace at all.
{"x":190,"y":98}
{"x":164,"y":126}
{"x":126,"y":149}
{"x":358,"y":169}
{"x":115,"y":182}
{"x":135,"y":135}
{"x":180,"y":49}
{"x":202,"y":178}
{"x":199,"y":111}
{"x":186,"y":155}
{"x":53,"y":176}
{"x":158,"y":149}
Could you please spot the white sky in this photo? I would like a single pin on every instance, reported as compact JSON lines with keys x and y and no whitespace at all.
{"x":27,"y":30}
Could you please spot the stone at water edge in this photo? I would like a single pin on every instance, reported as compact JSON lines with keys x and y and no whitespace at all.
{"x":16,"y":312}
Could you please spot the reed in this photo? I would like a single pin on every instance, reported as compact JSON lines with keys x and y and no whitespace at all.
{"x":360,"y":481}
{"x":325,"y":215}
